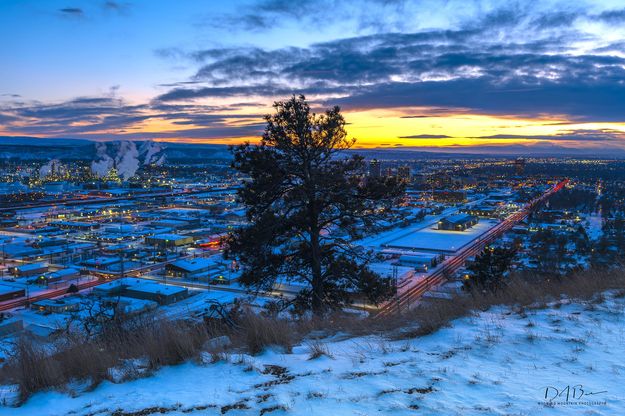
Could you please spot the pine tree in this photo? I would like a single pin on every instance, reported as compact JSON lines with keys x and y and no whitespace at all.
{"x":306,"y":201}
{"x":488,"y":268}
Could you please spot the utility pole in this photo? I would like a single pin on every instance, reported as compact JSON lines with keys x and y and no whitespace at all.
{"x":396,"y":284}
{"x":121,"y":266}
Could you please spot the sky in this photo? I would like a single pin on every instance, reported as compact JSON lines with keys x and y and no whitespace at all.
{"x":420,"y":73}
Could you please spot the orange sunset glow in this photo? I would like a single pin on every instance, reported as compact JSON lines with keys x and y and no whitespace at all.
{"x":465,"y":76}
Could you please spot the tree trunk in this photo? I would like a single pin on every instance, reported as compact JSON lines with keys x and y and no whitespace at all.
{"x":317,"y":281}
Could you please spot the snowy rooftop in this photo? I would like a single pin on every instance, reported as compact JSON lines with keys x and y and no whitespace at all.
{"x":194,"y":265}
{"x":172,"y":237}
{"x":152,"y":287}
{"x":32,"y":266}
{"x":431,"y":239}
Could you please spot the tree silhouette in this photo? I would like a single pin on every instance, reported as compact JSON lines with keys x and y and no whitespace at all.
{"x":488,"y":268}
{"x":306,"y":201}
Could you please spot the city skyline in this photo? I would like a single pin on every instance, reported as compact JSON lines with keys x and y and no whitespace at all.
{"x":406,"y":74}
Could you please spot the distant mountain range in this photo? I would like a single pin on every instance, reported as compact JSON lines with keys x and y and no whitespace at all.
{"x":80,"y":149}
{"x":74,"y":149}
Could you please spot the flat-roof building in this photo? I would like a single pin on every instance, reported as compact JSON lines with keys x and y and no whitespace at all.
{"x":168,"y":240}
{"x":8,"y":292}
{"x":156,"y":292}
{"x":59,"y":275}
{"x":26,"y":270}
{"x":142,"y":289}
{"x":189,"y":269}
{"x":420,"y":263}
{"x":486,"y":211}
{"x":459,"y":222}
{"x":71,"y":304}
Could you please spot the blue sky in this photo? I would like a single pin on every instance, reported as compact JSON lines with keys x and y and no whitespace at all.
{"x":431,"y":73}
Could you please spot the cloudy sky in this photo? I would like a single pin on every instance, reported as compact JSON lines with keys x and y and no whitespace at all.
{"x":406,"y":73}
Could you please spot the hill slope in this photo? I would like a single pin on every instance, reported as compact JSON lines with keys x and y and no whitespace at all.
{"x":497,"y":362}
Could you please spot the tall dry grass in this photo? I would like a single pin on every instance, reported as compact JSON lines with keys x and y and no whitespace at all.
{"x":36,"y":366}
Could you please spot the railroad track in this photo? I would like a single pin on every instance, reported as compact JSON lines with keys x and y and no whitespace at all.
{"x":451,"y":265}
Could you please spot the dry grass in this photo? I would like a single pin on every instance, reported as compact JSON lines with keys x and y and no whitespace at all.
{"x":318,"y":349}
{"x":35,"y":366}
{"x":257,"y":332}
{"x":521,"y":292}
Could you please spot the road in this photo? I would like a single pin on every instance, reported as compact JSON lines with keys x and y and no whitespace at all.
{"x":48,"y":294}
{"x":101,"y":199}
{"x":103,"y":276}
{"x":408,"y":296}
{"x":411,"y":293}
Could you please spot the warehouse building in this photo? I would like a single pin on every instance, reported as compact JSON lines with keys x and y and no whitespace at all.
{"x":168,"y":240}
{"x":71,"y":304}
{"x":27,"y":270}
{"x":190,"y":269}
{"x":485,"y":211}
{"x":459,"y":222}
{"x":8,"y":292}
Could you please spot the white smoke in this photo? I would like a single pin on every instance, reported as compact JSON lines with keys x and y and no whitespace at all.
{"x":160,"y":161}
{"x":125,"y":157}
{"x":127,"y":160}
{"x":53,"y":167}
{"x":151,"y":152}
{"x":103,"y":163}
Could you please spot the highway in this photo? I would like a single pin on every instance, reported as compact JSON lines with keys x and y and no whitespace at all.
{"x":411,"y":294}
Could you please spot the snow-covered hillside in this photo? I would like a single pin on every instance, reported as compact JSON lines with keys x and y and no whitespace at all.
{"x":495,"y":363}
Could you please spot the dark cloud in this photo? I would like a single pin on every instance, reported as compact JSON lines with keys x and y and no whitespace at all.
{"x":557,"y":19}
{"x":426,"y":136}
{"x":116,"y":6}
{"x":109,"y":6}
{"x":613,"y":16}
{"x":265,"y":15}
{"x":576,"y":135}
{"x":513,"y":59}
{"x":110,"y":117}
{"x":72,"y":11}
{"x":579,"y":99}
{"x":456,"y":70}
{"x":579,"y":135}
{"x":263,"y":90}
{"x":200,"y":133}
{"x":612,"y":47}
{"x":119,"y":8}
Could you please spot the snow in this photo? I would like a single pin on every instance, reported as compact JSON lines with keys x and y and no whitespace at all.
{"x":431,"y":239}
{"x":494,"y":363}
{"x":595,"y":224}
